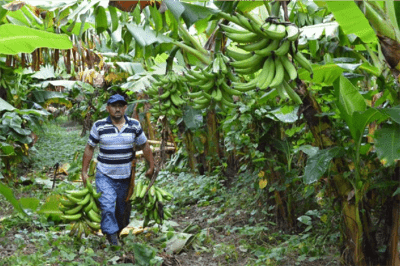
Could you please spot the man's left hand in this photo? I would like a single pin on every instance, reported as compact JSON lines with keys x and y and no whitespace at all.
{"x":149,"y":173}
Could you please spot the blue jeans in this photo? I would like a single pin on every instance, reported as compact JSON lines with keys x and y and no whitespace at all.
{"x":112,"y":202}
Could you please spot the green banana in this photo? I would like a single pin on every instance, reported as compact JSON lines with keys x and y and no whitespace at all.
{"x":159,"y":196}
{"x":80,"y":230}
{"x":74,"y":210}
{"x":270,"y":75}
{"x":201,"y":100}
{"x":95,"y":226}
{"x":189,"y":77}
{"x":253,"y":60}
{"x":292,"y":94}
{"x":217,"y":95}
{"x":250,"y":70}
{"x":227,"y":103}
{"x":67,"y":203}
{"x":138,"y":188}
{"x":86,"y":229}
{"x":289,"y":67}
{"x":167,"y":213}
{"x":195,"y":95}
{"x":255,"y":46}
{"x":206,"y":95}
{"x":176,"y":100}
{"x":255,"y":25}
{"x":93,"y":216}
{"x":207,"y":74}
{"x":90,"y":205}
{"x":222,"y":64}
{"x":303,"y":61}
{"x":201,"y":106}
{"x":231,"y":76}
{"x":95,"y":208}
{"x":74,"y":229}
{"x":197,"y":75}
{"x":177,"y":111}
{"x":229,"y":90}
{"x":274,"y":31}
{"x":78,"y":193}
{"x":73,"y":199}
{"x":73,"y":217}
{"x":229,"y":17}
{"x":267,"y":51}
{"x":267,"y":68}
{"x":207,"y":86}
{"x":143,"y":191}
{"x":246,"y":37}
{"x":237,"y":55}
{"x":85,"y":200}
{"x":243,"y":87}
{"x":292,"y":32}
{"x":244,"y":21}
{"x":215,"y":65}
{"x":230,"y":29}
{"x":281,"y":91}
{"x":283,"y":48}
{"x":199,"y":82}
{"x":165,"y":95}
{"x":96,"y":195}
{"x":279,"y":73}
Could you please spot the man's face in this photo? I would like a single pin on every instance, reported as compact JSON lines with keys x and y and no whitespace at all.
{"x":116,"y":110}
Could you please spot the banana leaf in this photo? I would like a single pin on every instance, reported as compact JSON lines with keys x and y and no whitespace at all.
{"x":16,"y":39}
{"x":9,"y":195}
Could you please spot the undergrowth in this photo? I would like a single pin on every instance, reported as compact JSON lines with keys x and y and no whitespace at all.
{"x":232,"y":226}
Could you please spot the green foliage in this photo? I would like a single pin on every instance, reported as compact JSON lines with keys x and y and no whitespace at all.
{"x":22,"y":39}
{"x":57,"y":145}
{"x":387,"y":144}
{"x":189,"y":13}
{"x":356,"y":23}
{"x":8,"y":194}
{"x":51,"y":208}
{"x":318,"y":164}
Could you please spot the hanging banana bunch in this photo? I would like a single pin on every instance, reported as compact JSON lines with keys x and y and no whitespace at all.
{"x":212,"y":84}
{"x":269,"y":47}
{"x":81,"y":208}
{"x":170,"y":101}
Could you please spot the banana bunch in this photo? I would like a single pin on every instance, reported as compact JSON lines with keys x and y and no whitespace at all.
{"x":151,"y":205}
{"x":211,"y":85}
{"x":81,"y":208}
{"x":168,"y":102}
{"x":269,"y":47}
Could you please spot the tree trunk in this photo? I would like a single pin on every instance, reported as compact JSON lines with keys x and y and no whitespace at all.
{"x":320,"y":127}
{"x":188,"y":139}
{"x":212,"y":140}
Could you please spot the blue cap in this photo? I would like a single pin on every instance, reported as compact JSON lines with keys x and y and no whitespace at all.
{"x":116,"y":98}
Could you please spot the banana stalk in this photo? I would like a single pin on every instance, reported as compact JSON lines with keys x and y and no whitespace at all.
{"x":205,"y":59}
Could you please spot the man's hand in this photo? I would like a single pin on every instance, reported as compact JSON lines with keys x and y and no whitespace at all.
{"x":149,"y":173}
{"x":148,"y":155}
{"x":84,"y":179}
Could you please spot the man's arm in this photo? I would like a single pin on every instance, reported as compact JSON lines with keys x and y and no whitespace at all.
{"x":87,"y":157}
{"x":148,"y":155}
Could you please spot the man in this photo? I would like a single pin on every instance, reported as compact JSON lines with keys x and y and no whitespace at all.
{"x":116,"y":136}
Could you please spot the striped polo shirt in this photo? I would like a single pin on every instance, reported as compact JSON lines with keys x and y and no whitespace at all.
{"x":116,"y":147}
